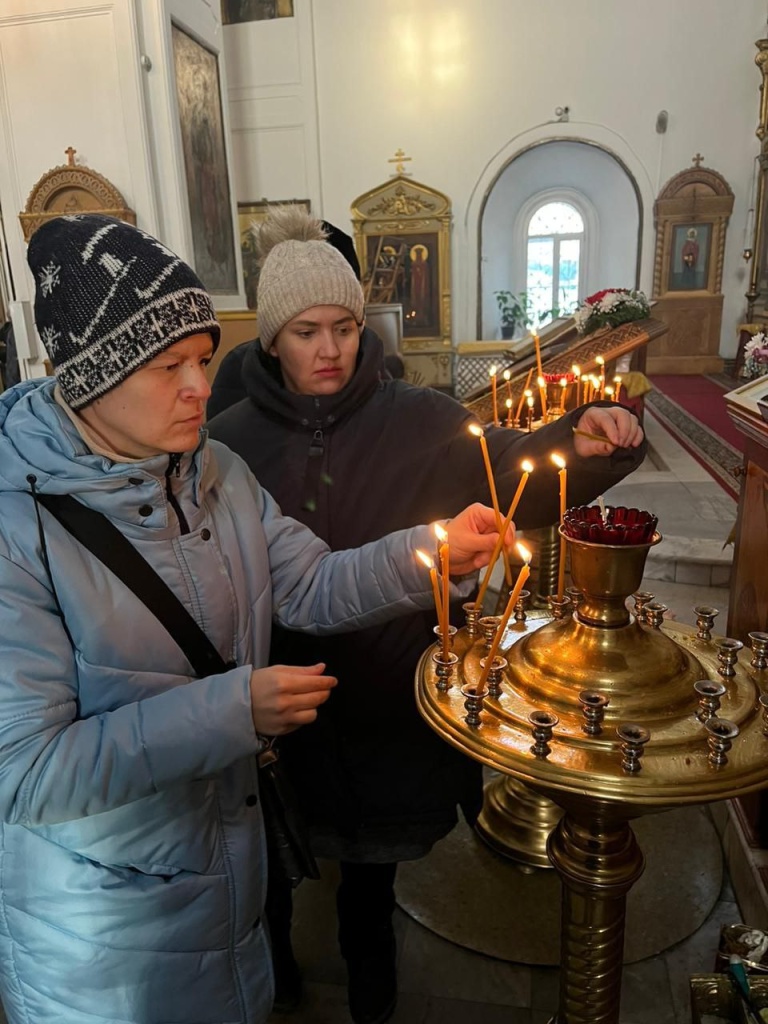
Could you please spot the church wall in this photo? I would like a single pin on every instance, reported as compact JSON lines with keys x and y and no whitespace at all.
{"x":461,"y":87}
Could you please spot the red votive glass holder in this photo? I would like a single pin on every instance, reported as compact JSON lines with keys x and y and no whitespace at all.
{"x":619,"y":525}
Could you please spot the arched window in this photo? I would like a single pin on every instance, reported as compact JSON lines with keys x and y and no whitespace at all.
{"x":554,"y":259}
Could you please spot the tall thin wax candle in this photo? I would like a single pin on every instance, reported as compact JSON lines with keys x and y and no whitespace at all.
{"x":537,"y":348}
{"x":445,"y":572}
{"x":523,"y":395}
{"x":435,"y":588}
{"x":492,"y":372}
{"x":527,"y":468}
{"x":523,"y":575}
{"x":542,"y":384}
{"x":562,"y":474}
{"x":477,"y":431}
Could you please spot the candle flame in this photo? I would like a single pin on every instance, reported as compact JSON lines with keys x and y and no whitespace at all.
{"x":576,"y":370}
{"x":507,"y":374}
{"x":529,"y":400}
{"x":595,"y":380}
{"x":608,"y":389}
{"x":440,"y":533}
{"x":599,"y":360}
{"x":526,"y":466}
{"x":584,"y":378}
{"x":508,"y":403}
{"x":563,"y":382}
{"x":492,"y":371}
{"x":558,"y":460}
{"x":540,"y":381}
{"x":475,"y":429}
{"x":528,"y":393}
{"x":524,"y":553}
{"x":617,"y":379}
{"x":425,"y":559}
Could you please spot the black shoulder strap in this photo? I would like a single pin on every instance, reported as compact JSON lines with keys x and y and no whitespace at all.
{"x":95,"y":532}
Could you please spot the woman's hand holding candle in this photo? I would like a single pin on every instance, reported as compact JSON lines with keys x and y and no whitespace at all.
{"x":616,"y":425}
{"x":504,"y":533}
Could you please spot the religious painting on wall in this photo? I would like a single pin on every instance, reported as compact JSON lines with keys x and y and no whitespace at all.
{"x":249,"y":214}
{"x":198,"y":94}
{"x":689,"y":262}
{"x":234,"y":12}
{"x":405,"y":270}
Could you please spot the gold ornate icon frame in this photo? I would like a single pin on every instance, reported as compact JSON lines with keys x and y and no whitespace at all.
{"x":69,"y":189}
{"x":413,"y":221}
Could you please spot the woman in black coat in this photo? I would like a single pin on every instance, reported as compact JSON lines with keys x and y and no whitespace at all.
{"x":354,"y":454}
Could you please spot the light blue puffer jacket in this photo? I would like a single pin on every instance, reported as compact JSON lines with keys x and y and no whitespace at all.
{"x":132,"y":858}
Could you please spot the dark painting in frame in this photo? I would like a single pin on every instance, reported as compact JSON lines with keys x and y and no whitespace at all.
{"x":415,"y":261}
{"x":249,"y":214}
{"x":198,"y":94}
{"x":689,"y":259}
{"x":235,"y":12}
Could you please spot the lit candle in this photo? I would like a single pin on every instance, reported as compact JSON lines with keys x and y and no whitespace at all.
{"x":576,"y":371}
{"x":617,"y":382}
{"x":609,"y":393}
{"x":477,"y":431}
{"x":601,"y":363}
{"x":435,"y":588}
{"x":560,"y":462}
{"x":508,"y":404}
{"x":585,"y":384}
{"x":507,"y":375}
{"x":523,"y":575}
{"x":529,"y":401}
{"x":594,"y":387}
{"x":537,"y":348}
{"x":524,"y":395}
{"x":527,"y":468}
{"x":492,"y":372}
{"x":542,"y":384}
{"x":564,"y":388}
{"x":445,"y":572}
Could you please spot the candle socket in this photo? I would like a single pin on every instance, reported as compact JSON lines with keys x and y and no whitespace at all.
{"x":488,"y":625}
{"x":705,"y":620}
{"x":720,"y":740}
{"x":654,"y":614}
{"x":759,"y":644}
{"x":641,"y":599}
{"x":593,"y":707}
{"x":521,"y":605}
{"x":633,"y":739}
{"x":710,"y":691}
{"x":543,"y":723}
{"x":727,"y":656}
{"x":452,"y":630}
{"x":473,"y":702}
{"x":444,"y":669}
{"x":471,"y":616}
{"x":576,"y":596}
{"x":494,"y":674}
{"x":559,"y":606}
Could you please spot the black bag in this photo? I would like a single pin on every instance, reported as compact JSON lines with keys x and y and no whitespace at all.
{"x":287,"y":840}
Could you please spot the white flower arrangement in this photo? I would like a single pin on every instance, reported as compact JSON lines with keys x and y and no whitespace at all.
{"x":609,"y":308}
{"x":755,"y":356}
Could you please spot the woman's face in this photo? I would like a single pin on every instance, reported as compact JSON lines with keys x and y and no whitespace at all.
{"x":160,"y":407}
{"x":317,"y":350}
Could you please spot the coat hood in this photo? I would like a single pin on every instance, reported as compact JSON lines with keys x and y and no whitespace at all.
{"x":38,"y":440}
{"x":264,"y":385}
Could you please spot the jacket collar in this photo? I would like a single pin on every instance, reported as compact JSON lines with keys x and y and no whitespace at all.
{"x":264,"y":386}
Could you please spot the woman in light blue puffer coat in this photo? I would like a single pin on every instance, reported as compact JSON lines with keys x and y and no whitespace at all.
{"x":132,"y":855}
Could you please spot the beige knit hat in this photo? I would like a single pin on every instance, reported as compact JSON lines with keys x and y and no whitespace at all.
{"x":299,"y":270}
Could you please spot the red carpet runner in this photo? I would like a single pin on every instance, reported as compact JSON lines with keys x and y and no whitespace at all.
{"x":693,"y":410}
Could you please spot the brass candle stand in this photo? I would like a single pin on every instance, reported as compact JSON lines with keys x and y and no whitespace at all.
{"x":598,"y":717}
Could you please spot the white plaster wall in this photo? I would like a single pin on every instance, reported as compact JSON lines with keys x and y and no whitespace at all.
{"x":592,"y":173}
{"x":464,"y":86}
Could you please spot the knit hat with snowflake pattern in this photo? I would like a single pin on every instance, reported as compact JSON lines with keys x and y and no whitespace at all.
{"x":109,"y":298}
{"x":299,"y":269}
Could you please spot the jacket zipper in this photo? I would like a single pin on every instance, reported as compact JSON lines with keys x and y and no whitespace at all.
{"x":174,"y":466}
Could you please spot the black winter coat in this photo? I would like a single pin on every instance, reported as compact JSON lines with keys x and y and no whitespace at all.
{"x":375,"y":781}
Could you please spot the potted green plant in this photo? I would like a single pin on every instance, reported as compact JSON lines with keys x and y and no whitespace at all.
{"x":516,"y":310}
